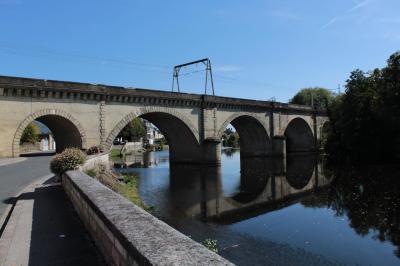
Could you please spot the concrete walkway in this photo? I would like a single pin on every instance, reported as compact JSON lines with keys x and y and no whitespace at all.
{"x":44,"y":229}
{"x":7,"y":161}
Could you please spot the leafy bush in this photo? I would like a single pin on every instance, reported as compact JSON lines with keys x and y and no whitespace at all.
{"x":69,"y":159}
{"x":94,"y":150}
{"x":211,"y":244}
{"x":91,"y":172}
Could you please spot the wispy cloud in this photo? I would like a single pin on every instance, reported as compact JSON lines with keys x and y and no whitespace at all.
{"x":330,"y":22}
{"x":226,"y":68}
{"x":353,"y":9}
{"x":358,"y":6}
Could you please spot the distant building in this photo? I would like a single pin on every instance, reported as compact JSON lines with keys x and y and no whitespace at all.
{"x":46,"y":142}
{"x":152,"y":133}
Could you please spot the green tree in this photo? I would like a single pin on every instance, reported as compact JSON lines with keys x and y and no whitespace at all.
{"x":233,"y":140}
{"x":365,"y":121}
{"x":320,"y":97}
{"x":133,"y":131}
{"x":30,"y":134}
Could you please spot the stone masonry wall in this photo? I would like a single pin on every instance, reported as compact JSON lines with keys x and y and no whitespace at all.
{"x":127,"y":235}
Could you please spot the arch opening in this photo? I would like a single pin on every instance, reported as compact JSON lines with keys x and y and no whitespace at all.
{"x":183,"y":145}
{"x":55,"y":133}
{"x":252,"y":137}
{"x":299,"y":137}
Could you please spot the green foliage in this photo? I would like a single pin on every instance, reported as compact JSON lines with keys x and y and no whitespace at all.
{"x":365,"y":121}
{"x":130,"y":190}
{"x":211,"y":244}
{"x":320,"y":97}
{"x":230,"y":138}
{"x":233,"y":140}
{"x":91,"y":172}
{"x":115,"y":153}
{"x":133,"y":131}
{"x":69,"y":159}
{"x":30,"y":134}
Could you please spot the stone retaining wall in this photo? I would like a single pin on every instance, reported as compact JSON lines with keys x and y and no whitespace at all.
{"x":126,"y":234}
{"x":95,"y":161}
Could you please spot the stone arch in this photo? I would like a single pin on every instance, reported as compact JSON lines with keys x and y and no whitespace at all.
{"x":59,"y":122}
{"x":253,"y":134}
{"x":180,"y":133}
{"x":299,"y":136}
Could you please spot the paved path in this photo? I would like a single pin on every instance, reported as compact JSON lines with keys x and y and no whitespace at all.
{"x":7,"y":161}
{"x":15,"y":177}
{"x":44,"y":229}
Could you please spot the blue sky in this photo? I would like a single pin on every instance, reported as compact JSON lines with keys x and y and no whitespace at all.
{"x":258,"y":49}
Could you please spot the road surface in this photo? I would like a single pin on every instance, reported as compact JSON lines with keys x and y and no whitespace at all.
{"x":15,"y":177}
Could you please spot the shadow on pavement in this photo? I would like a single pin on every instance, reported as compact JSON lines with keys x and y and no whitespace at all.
{"x":37,"y":154}
{"x":58,"y":237}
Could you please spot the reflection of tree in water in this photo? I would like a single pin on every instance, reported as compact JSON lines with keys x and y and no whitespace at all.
{"x":370,"y":199}
{"x":229,"y":152}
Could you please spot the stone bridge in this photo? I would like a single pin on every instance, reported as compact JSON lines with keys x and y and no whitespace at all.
{"x":84,"y":115}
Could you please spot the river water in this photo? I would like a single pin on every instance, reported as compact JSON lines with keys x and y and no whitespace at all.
{"x":275,"y":212}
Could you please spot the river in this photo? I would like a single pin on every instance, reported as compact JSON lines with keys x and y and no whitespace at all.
{"x":275,"y":212}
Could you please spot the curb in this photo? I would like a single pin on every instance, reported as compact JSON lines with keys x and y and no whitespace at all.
{"x":9,"y":209}
{"x":12,"y":161}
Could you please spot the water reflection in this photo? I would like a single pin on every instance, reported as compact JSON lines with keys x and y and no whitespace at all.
{"x":295,"y":201}
{"x":139,"y":160}
{"x":369,"y":198}
{"x":261,"y":185}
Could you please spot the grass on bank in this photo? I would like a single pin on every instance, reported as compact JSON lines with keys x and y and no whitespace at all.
{"x":128,"y":187}
{"x":91,"y":172}
{"x":130,"y":190}
{"x":115,"y":153}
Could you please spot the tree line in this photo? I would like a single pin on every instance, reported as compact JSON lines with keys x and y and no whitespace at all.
{"x":365,"y":119}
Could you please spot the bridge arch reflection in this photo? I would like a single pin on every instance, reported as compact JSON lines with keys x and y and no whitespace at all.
{"x":263,"y":185}
{"x":299,"y":137}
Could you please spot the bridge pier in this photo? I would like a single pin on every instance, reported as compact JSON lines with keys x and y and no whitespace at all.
{"x":279,"y":146}
{"x":212,"y":151}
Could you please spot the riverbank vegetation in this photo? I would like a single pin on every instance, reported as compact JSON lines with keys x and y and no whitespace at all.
{"x":230,"y":138}
{"x":115,"y":153}
{"x":130,"y":190}
{"x":365,"y":120}
{"x":126,"y":185}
